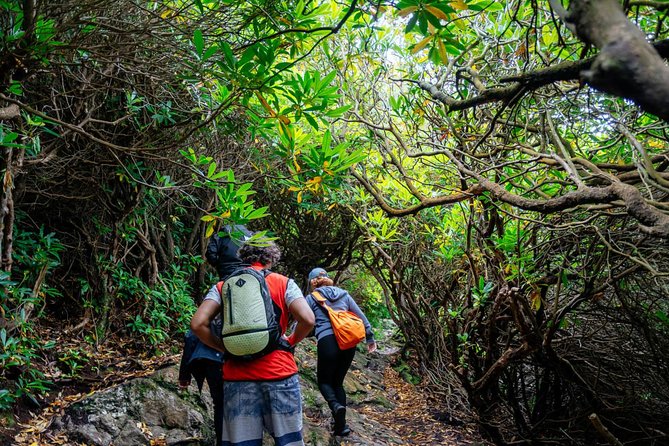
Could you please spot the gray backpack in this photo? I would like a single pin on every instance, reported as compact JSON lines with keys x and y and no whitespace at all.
{"x":250,"y":317}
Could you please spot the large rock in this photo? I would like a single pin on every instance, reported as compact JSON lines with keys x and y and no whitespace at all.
{"x":138,"y":411}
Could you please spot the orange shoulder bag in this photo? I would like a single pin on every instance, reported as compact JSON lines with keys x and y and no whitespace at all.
{"x":348,"y":328}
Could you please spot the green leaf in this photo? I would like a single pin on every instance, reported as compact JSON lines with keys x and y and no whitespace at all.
{"x":328,"y":79}
{"x":422,"y":23}
{"x":212,"y":169}
{"x":487,"y":5}
{"x":257,"y":213}
{"x":311,"y":120}
{"x":9,"y":137}
{"x":210,"y":52}
{"x":337,"y":112}
{"x":411,"y":24}
{"x":15,"y":88}
{"x":230,"y":58}
{"x":198,"y":42}
{"x":244,"y":190}
{"x":327,"y":138}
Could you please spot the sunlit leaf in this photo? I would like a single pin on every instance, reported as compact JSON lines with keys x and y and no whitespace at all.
{"x":422,"y":44}
{"x":438,"y":13}
{"x":459,"y":4}
{"x":406,"y":11}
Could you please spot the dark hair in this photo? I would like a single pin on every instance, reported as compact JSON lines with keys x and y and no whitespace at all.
{"x":264,"y":255}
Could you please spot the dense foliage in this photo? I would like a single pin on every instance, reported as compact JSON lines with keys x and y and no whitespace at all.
{"x":491,"y":175}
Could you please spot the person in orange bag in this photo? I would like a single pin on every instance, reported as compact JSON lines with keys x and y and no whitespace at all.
{"x":332,"y":362}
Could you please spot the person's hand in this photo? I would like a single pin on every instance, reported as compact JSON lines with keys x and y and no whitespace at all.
{"x":287,"y":342}
{"x":184,"y":385}
{"x":290,"y":340}
{"x":371,"y":347}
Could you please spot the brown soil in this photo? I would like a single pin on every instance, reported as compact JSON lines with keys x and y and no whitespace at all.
{"x":417,"y":417}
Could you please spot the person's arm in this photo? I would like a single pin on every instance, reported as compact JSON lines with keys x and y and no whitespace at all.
{"x":305,"y":318}
{"x":301,"y":312}
{"x":205,"y":313}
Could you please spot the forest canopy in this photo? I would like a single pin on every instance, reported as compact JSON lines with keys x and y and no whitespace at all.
{"x":492,"y":176}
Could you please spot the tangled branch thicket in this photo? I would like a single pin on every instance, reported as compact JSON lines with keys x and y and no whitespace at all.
{"x":585,"y":337}
{"x":109,"y":99}
{"x":542,"y":302}
{"x":529,"y":268}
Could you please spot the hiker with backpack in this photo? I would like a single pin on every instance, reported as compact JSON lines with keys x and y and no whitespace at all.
{"x":198,"y":360}
{"x":260,"y":381}
{"x":336,"y":346}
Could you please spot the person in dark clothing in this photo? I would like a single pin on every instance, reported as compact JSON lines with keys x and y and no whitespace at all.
{"x":204,"y":363}
{"x":200,"y":361}
{"x":223,"y":247}
{"x":332,"y":362}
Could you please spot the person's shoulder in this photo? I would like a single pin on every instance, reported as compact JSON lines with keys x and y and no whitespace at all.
{"x":334,"y":290}
{"x":343,"y":293}
{"x":269,"y":272}
{"x":277,"y":277}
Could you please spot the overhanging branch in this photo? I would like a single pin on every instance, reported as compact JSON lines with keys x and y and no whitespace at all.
{"x":563,"y":72}
{"x":627,"y":65}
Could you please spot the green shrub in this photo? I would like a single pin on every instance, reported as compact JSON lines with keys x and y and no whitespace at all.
{"x":34,"y":255}
{"x":167,"y":307}
{"x":369,"y":295}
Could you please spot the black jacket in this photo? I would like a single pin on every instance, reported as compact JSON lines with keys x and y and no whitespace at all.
{"x":196,"y":356}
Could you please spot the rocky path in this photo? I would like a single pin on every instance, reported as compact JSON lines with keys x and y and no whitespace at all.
{"x":416,"y":420}
{"x":383,"y":410}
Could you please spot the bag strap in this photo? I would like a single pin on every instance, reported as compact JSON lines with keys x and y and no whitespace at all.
{"x":321,"y":300}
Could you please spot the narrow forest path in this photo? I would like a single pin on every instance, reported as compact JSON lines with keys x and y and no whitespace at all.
{"x":416,"y":419}
{"x":384,"y":410}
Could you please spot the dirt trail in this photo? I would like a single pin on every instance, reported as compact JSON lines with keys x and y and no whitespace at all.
{"x":417,"y":421}
{"x":385,"y":409}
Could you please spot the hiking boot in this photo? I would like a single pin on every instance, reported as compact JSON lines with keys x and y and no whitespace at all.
{"x":339,"y":415}
{"x":343,"y":432}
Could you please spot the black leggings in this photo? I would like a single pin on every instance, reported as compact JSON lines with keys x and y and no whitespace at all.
{"x":333,"y":364}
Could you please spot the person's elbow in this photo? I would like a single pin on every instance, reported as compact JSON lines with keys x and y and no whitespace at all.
{"x":197,"y":324}
{"x":309,"y":319}
{"x":303,"y":314}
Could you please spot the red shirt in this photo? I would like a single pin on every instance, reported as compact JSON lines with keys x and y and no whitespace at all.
{"x":276,"y":365}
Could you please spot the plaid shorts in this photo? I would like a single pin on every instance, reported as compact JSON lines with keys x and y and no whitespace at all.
{"x":251,"y":405}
